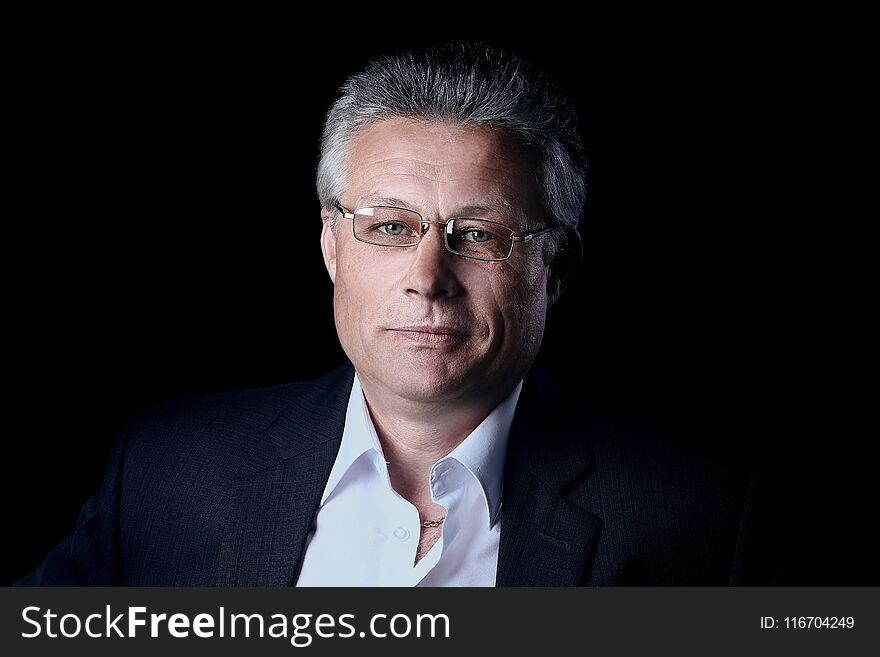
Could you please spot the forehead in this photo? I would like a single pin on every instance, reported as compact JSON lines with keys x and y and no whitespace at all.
{"x":439,"y":166}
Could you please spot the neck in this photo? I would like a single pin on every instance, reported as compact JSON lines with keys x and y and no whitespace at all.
{"x":415,"y":435}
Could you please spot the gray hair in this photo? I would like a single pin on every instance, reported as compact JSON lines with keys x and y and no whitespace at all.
{"x":475,"y":85}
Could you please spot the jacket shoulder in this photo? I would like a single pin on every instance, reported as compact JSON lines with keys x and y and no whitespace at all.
{"x":217,"y":432}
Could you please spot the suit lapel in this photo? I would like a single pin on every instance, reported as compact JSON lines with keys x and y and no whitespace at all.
{"x":272,"y":504}
{"x":546,"y":537}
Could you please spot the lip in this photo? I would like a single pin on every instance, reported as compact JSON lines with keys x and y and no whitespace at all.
{"x":433,"y":330}
{"x":429,"y":335}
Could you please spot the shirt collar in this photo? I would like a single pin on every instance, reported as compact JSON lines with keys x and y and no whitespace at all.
{"x":358,"y":438}
{"x":482,"y":453}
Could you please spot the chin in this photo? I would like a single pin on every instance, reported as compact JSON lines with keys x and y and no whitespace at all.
{"x":426,"y":382}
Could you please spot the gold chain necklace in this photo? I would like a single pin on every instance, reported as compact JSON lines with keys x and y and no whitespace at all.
{"x":432,"y":523}
{"x":426,"y":523}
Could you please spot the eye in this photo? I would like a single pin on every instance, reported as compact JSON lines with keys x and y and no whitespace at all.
{"x":391,"y":229}
{"x":475,"y":235}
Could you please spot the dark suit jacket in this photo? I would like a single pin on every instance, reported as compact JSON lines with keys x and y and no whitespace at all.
{"x":222,"y":490}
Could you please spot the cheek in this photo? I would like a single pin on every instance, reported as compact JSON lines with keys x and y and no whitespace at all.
{"x":520,"y":297}
{"x":360,"y":284}
{"x":347,"y":291}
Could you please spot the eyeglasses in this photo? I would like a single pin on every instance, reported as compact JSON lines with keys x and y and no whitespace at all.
{"x":479,"y":239}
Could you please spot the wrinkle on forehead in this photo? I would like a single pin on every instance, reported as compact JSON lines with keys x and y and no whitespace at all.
{"x":490,"y":204}
{"x":439,"y":168}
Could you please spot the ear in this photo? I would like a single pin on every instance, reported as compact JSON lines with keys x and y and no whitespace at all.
{"x":564,"y":266}
{"x":328,"y":244}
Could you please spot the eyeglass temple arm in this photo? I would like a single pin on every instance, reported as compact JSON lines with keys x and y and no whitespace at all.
{"x":530,"y":236}
{"x":345,"y":215}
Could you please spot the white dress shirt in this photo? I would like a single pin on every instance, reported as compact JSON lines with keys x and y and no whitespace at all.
{"x":366,"y":534}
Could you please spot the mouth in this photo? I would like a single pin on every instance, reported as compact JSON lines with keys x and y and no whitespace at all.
{"x":438,"y":335}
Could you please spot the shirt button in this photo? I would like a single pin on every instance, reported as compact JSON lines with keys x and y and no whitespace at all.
{"x":401,"y":533}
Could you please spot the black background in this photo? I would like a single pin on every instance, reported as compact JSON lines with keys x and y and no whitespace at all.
{"x":163,"y":229}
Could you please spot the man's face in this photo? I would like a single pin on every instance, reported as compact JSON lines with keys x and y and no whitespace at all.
{"x":420,"y":322}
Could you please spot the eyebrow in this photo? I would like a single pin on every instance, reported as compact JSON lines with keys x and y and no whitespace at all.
{"x":498,"y":205}
{"x":372,"y":199}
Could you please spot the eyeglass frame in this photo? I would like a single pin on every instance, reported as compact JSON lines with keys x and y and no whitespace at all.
{"x":528,"y":237}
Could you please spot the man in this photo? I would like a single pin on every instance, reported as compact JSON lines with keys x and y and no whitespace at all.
{"x":451,"y":182}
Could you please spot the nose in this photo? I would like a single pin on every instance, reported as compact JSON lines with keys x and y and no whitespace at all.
{"x":430,"y":273}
